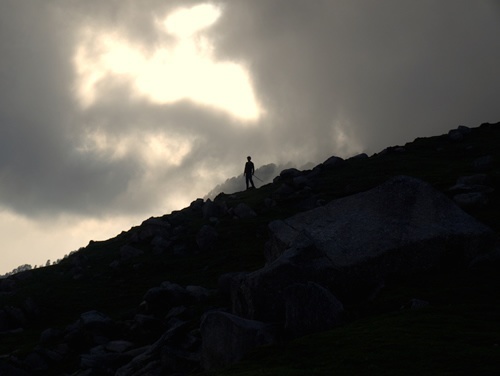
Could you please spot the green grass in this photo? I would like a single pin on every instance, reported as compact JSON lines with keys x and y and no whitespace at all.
{"x":426,"y":342}
{"x":458,"y":334}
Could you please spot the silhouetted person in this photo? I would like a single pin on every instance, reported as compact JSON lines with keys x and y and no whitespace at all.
{"x":249,"y":171}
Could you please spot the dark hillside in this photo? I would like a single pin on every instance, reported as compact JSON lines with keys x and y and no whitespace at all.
{"x":64,"y":319}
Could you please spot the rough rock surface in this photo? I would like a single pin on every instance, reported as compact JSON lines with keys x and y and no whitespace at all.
{"x":227,"y":338}
{"x":352,"y":244}
{"x":310,"y":308}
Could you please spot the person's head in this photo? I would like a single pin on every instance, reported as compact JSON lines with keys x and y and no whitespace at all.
{"x":249,"y":157}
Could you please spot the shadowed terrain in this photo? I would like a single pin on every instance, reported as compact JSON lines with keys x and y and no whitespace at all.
{"x":53,"y":320}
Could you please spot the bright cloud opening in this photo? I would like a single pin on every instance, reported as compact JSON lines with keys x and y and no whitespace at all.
{"x":167,"y":73}
{"x":187,"y":21}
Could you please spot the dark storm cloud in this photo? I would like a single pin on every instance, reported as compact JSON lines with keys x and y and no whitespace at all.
{"x":379,"y":73}
{"x":387,"y":71}
{"x":42,"y":128}
{"x":32,"y":101}
{"x":39,"y":123}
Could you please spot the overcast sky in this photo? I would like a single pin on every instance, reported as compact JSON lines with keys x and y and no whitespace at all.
{"x":112,"y":111}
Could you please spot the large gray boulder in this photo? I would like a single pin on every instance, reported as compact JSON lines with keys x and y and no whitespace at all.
{"x":351,"y":245}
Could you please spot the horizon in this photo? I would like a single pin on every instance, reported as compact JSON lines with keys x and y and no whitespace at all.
{"x":270,"y":170}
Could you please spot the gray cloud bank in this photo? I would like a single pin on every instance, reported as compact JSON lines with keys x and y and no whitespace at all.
{"x":382,"y":71}
{"x":334,"y":78}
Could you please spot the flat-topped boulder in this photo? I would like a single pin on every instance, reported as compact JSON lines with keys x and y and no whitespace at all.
{"x":351,"y":245}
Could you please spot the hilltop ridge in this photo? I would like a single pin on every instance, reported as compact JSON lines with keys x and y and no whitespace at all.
{"x":145,"y":300}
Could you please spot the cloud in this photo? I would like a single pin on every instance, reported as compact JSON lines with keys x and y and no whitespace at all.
{"x":382,"y":72}
{"x":98,"y":120}
{"x":117,"y":152}
{"x":165,"y":73}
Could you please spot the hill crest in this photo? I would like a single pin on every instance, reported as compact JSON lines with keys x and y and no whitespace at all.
{"x":146,"y":288}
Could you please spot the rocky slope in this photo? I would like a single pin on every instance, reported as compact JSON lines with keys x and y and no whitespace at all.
{"x":313,"y":256}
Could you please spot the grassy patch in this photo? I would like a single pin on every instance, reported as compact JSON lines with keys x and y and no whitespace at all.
{"x":425,"y":342}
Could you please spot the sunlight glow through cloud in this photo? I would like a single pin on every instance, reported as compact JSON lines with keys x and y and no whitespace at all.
{"x":184,"y":70}
{"x":187,"y":21}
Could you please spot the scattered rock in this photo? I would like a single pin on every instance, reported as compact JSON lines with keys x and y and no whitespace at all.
{"x":4,"y":321}
{"x":175,"y":352}
{"x":163,"y":298}
{"x":226,"y":338}
{"x":490,"y":260}
{"x":289,"y":173}
{"x":151,"y":228}
{"x":459,"y":134}
{"x":16,"y":316}
{"x":197,"y":205}
{"x":415,"y":304}
{"x":333,"y":162}
{"x":352,"y":244}
{"x":11,"y":370}
{"x":471,"y":200}
{"x":160,"y":244}
{"x":471,"y":191}
{"x":7,"y":284}
{"x":228,"y":282}
{"x":455,"y":135}
{"x":392,"y":150}
{"x":36,"y":362}
{"x":359,"y":156}
{"x":310,"y":308}
{"x":94,"y":319}
{"x":50,"y":335}
{"x":128,"y":252}
{"x":118,"y":346}
{"x":198,"y":293}
{"x":244,"y":211}
{"x":301,"y":181}
{"x":206,"y":238}
{"x":483,"y":163}
{"x":284,"y":191}
{"x":212,"y":210}
{"x":473,"y":180}
{"x":269,"y":202}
